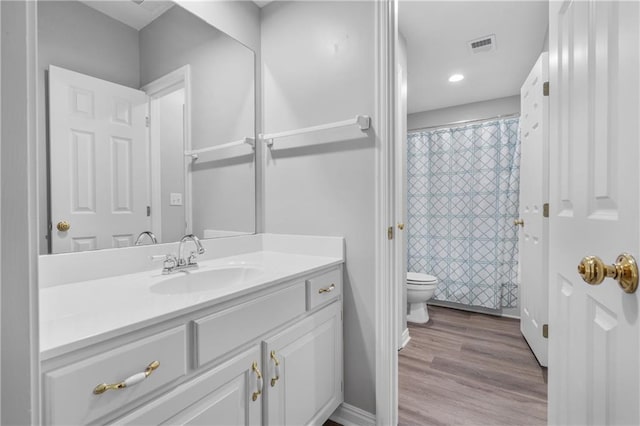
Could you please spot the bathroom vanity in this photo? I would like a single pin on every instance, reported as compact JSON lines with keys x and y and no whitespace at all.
{"x":252,"y":338}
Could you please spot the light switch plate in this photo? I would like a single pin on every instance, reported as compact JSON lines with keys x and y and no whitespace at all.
{"x":175,"y":199}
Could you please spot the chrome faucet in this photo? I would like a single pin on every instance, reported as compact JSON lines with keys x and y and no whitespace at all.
{"x":174,"y":264}
{"x":149,"y":234}
{"x":189,"y":262}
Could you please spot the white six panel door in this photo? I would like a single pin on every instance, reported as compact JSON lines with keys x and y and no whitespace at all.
{"x":99,"y":162}
{"x":594,"y":183}
{"x":534,"y":293}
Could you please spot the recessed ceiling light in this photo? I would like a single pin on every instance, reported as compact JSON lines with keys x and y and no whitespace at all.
{"x":456,"y":77}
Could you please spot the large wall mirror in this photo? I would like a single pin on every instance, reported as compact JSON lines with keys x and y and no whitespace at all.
{"x":149,"y":126}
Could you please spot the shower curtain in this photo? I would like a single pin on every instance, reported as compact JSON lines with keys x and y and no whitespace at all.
{"x":462,"y":200}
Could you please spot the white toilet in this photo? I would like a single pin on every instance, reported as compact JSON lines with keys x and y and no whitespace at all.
{"x":420,"y":288}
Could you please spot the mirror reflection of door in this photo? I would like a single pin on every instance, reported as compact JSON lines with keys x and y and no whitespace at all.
{"x":99,"y":162}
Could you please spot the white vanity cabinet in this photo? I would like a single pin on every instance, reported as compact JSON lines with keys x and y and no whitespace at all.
{"x":216,"y":363}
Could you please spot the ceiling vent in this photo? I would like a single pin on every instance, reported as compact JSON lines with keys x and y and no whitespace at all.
{"x":483,"y":44}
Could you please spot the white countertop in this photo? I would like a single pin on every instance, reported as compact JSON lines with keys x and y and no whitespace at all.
{"x":79,"y":314}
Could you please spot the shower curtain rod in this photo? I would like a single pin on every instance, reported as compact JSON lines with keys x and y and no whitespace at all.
{"x":464,"y":122}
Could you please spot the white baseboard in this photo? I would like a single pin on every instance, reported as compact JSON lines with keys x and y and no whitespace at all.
{"x":405,"y":338}
{"x":349,"y":415}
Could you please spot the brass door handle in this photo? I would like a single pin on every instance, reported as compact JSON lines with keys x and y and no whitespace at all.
{"x":63,"y":226}
{"x":129,"y":381}
{"x":275,"y":379}
{"x":257,"y":393}
{"x":519,"y":222}
{"x":593,"y":271}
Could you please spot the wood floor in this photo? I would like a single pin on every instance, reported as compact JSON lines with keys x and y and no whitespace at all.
{"x":463,"y":368}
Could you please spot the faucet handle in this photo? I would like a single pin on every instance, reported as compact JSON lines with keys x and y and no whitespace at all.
{"x":191,"y":260}
{"x":169,"y":260}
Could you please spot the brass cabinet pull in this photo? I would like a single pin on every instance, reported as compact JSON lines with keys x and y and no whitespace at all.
{"x":63,"y":226}
{"x":593,"y":271}
{"x":257,"y":393}
{"x":401,"y":226}
{"x":275,"y":379}
{"x":519,"y":222}
{"x":327,"y":289}
{"x":129,"y":381}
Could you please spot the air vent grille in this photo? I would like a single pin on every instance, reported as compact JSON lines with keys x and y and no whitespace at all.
{"x":477,"y":44}
{"x":483,"y":44}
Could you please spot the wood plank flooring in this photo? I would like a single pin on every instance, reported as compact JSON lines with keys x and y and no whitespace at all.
{"x":463,"y":368}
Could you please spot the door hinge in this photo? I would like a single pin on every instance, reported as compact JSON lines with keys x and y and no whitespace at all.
{"x":390,"y":233}
{"x":147,"y":121}
{"x":545,"y":88}
{"x":545,"y":210}
{"x":545,"y":331}
{"x":148,"y":211}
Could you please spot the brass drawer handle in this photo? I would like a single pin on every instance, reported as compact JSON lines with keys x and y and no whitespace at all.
{"x":275,"y":379}
{"x":257,"y":393}
{"x":129,"y":381}
{"x":327,"y":289}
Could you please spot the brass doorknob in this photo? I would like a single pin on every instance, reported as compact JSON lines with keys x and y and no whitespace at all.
{"x":593,"y":271}
{"x":63,"y":226}
{"x":519,"y":222}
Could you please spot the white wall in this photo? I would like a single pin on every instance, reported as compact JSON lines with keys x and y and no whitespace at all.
{"x":318,"y":67}
{"x":172,"y":178}
{"x":74,"y":36}
{"x":241,"y":20}
{"x":222,"y":111}
{"x":472,"y":111}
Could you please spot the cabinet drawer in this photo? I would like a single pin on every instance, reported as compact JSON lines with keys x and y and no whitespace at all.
{"x":324,"y":288}
{"x":221,"y":396}
{"x":226,"y":330}
{"x":68,"y":391}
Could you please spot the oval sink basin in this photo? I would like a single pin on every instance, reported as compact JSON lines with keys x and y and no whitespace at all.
{"x":206,"y":280}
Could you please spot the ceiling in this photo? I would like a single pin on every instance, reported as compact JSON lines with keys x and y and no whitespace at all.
{"x":437,"y":33}
{"x":135,"y":13}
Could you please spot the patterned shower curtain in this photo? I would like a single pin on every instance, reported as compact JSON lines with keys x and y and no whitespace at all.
{"x":462,"y":200}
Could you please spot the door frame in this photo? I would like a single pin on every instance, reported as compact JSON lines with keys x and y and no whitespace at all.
{"x":20,"y":368}
{"x":175,"y":80}
{"x":386,"y":247}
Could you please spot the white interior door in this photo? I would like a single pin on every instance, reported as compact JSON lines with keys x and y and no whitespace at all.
{"x":534,"y":293}
{"x":99,"y":170}
{"x":593,"y":330}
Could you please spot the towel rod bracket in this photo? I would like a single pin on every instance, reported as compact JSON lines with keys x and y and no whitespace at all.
{"x":364,"y":121}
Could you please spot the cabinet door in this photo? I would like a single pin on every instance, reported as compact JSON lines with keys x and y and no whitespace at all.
{"x":303,"y":377}
{"x":226,"y":395}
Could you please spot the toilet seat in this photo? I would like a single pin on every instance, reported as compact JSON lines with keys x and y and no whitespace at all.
{"x":418,"y":278}
{"x":421,"y":286}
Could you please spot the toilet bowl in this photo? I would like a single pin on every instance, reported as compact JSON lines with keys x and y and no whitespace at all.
{"x":420,"y":288}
